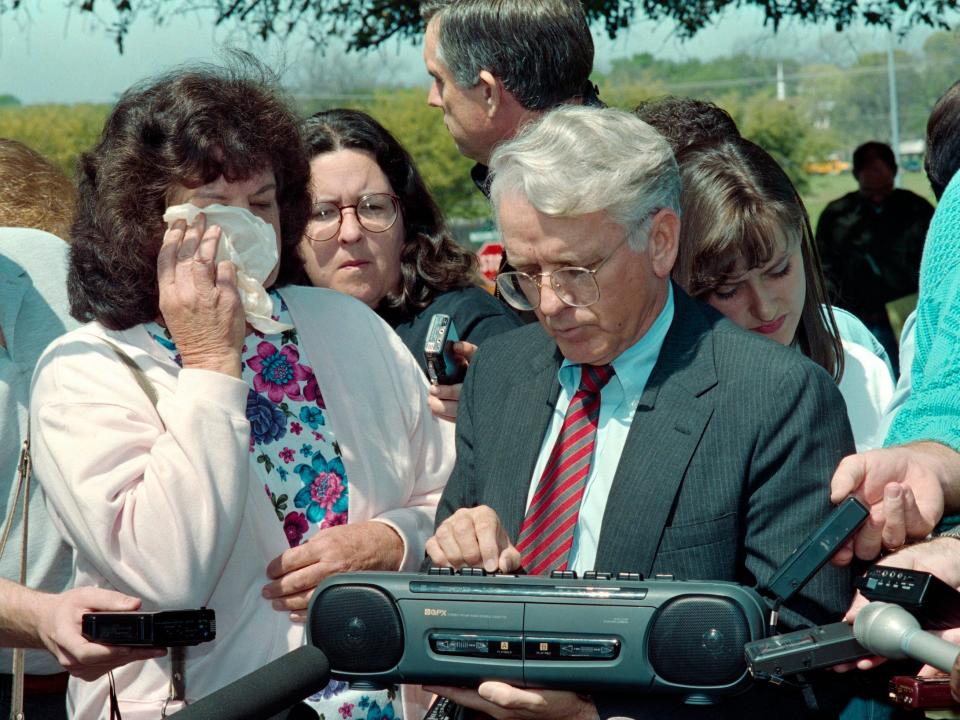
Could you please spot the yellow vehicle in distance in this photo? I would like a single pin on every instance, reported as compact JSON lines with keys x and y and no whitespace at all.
{"x":831,"y":166}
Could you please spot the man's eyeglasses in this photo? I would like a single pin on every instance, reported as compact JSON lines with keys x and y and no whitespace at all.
{"x":576,"y":286}
{"x":376,"y":212}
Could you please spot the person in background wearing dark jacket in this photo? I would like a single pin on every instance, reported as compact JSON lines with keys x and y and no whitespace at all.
{"x":871,"y":240}
{"x":500,"y":64}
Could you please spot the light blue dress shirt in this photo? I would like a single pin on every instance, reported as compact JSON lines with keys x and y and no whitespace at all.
{"x":618,"y":402}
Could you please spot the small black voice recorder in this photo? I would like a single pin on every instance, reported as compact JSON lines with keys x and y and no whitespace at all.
{"x":443,"y":367}
{"x":166,"y":628}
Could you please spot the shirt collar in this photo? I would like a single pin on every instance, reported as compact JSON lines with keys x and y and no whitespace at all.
{"x":634,"y":364}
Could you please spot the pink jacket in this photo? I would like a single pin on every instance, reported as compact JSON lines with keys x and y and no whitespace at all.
{"x":173,"y":511}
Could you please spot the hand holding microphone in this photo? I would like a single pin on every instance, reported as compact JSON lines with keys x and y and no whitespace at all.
{"x":892,"y":632}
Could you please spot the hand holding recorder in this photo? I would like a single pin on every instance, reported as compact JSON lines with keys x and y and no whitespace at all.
{"x":54,"y":622}
{"x":447,"y":358}
{"x":907,"y":489}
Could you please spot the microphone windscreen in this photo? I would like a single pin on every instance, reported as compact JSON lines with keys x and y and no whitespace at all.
{"x":265,"y":692}
{"x":892,"y":632}
{"x":880,"y":627}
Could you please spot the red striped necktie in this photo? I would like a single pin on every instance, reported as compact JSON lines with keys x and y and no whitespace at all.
{"x":546,"y":534}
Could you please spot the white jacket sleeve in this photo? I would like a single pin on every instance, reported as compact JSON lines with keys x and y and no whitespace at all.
{"x":154,"y":505}
{"x":432,"y":454}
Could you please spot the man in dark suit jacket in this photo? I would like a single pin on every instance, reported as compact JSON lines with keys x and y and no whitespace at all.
{"x":714,"y":446}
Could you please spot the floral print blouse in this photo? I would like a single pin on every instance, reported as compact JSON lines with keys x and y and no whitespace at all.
{"x":301,"y":467}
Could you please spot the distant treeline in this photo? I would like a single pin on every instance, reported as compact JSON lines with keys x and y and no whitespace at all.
{"x":828,"y":109}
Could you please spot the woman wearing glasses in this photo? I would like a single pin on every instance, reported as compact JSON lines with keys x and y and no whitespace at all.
{"x":376,"y":233}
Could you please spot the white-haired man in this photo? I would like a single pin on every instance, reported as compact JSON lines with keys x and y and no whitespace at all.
{"x":632,"y":428}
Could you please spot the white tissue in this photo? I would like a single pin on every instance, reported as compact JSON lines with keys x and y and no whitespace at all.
{"x":250,"y":244}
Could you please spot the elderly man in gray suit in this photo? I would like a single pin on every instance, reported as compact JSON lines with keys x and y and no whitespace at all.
{"x":632,"y":428}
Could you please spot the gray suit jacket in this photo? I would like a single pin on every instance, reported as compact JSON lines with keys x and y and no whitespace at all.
{"x":726,"y":468}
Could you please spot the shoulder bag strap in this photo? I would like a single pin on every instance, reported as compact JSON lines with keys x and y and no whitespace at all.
{"x":178,"y":660}
{"x":22,"y":495}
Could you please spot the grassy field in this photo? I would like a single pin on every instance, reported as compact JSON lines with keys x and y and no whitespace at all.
{"x":59,"y":132}
{"x":824,"y":188}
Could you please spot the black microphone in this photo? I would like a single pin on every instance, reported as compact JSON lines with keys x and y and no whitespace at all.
{"x":265,"y":692}
{"x":892,"y":632}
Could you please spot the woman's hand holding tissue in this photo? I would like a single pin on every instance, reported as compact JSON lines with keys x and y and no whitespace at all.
{"x":199,"y":300}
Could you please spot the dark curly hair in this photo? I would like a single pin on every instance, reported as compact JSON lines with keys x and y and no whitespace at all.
{"x":431,"y":262}
{"x":685,"y":121}
{"x":942,"y":161}
{"x":186,"y":128}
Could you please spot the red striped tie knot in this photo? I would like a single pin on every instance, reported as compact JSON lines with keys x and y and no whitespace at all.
{"x":593,"y":378}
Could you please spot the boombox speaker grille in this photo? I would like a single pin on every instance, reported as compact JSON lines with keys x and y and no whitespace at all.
{"x":358,"y":628}
{"x":698,"y":640}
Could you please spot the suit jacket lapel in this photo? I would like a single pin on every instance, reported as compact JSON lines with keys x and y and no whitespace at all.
{"x":671,"y":416}
{"x":528,"y":406}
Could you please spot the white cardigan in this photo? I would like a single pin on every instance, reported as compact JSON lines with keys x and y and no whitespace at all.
{"x":174,"y":512}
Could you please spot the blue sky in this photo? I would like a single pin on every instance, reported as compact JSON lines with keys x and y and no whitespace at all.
{"x":57,"y":56}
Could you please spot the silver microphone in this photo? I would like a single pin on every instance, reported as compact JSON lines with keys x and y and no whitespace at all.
{"x":890,"y":631}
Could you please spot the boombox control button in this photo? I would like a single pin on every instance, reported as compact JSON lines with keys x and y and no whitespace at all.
{"x":664,"y":576}
{"x":594,"y":575}
{"x":629,"y":576}
{"x":502,"y":647}
{"x":563,"y":575}
{"x":572,"y":648}
{"x":440,"y":571}
{"x":472,"y":572}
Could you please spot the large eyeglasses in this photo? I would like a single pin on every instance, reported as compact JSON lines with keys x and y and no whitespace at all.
{"x":376,"y":212}
{"x":576,"y":286}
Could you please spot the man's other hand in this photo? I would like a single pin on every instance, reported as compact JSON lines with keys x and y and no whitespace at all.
{"x":505,"y":702}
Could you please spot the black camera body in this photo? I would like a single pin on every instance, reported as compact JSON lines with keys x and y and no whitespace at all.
{"x":167,"y":628}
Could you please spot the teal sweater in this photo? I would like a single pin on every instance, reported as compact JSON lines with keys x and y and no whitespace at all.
{"x":933,"y":409}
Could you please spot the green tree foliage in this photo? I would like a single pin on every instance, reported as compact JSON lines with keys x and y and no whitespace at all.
{"x":862,"y":99}
{"x":829,"y":110}
{"x":721,"y":75}
{"x":940,"y":62}
{"x":9,"y":101}
{"x":783,"y":130}
{"x":369,"y":23}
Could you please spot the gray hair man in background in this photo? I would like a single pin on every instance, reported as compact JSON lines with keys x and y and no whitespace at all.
{"x":497,"y":64}
{"x":632,"y":428}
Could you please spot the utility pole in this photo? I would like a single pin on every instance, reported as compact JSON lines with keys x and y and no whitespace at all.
{"x":894,"y":106}
{"x":781,"y":84}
